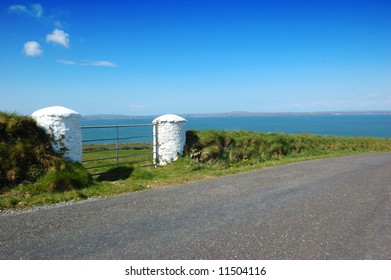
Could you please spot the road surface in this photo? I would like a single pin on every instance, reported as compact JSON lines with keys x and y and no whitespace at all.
{"x":338,"y":208}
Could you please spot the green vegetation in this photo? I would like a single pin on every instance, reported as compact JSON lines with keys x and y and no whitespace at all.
{"x":208,"y":154}
{"x":25,"y":151}
{"x":27,"y":161}
{"x":245,"y":146}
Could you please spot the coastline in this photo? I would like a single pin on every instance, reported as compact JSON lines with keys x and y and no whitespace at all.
{"x":239,"y":114}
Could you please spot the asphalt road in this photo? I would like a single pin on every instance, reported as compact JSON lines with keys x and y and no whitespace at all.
{"x":337,"y":208}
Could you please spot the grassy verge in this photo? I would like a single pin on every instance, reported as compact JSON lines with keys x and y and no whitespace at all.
{"x":209,"y":154}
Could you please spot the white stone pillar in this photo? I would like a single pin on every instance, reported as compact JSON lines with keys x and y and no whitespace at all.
{"x":63,"y":127}
{"x":169,"y":138}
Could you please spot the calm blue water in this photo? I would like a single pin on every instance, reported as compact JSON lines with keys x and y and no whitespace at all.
{"x":337,"y":125}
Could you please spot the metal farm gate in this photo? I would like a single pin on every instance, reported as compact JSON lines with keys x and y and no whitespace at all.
{"x":114,"y":145}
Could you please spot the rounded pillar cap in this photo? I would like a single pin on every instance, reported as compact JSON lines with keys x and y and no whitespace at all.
{"x":55,"y":111}
{"x":168,"y":118}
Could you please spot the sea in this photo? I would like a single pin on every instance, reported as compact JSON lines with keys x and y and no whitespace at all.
{"x":367,"y":125}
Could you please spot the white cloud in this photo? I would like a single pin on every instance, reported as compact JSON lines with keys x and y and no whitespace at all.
{"x":58,"y":37}
{"x":37,"y":10}
{"x":18,"y":9}
{"x":34,"y":10}
{"x":67,"y":62}
{"x":98,"y":63}
{"x":32,"y":48}
{"x":101,"y":63}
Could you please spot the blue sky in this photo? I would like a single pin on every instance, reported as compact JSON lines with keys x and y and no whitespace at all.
{"x":156,"y":57}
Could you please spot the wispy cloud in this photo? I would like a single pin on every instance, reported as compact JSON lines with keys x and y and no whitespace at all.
{"x":99,"y":63}
{"x":37,"y":10}
{"x":18,"y":9}
{"x":96,"y":63}
{"x":32,"y":48}
{"x":58,"y":37}
{"x":66,"y":62}
{"x":33,"y":10}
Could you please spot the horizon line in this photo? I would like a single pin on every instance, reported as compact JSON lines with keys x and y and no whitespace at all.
{"x":248,"y":113}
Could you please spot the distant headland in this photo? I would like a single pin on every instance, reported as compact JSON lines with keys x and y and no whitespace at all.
{"x":240,"y":114}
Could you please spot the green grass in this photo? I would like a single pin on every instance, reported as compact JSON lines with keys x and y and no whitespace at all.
{"x":238,"y":146}
{"x":209,"y":154}
{"x":138,"y":154}
{"x":25,"y":151}
{"x":27,"y":159}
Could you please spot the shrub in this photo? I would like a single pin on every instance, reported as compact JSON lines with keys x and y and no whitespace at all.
{"x":240,"y":146}
{"x":25,"y":151}
{"x":26,"y":156}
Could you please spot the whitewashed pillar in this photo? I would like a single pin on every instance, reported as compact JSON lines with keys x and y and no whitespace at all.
{"x":63,"y":127}
{"x":169,"y":138}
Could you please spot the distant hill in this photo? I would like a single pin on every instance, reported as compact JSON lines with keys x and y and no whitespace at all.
{"x":249,"y":114}
{"x":238,"y":114}
{"x":111,"y":116}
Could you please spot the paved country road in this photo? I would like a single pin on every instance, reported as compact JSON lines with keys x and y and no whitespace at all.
{"x":338,"y":208}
